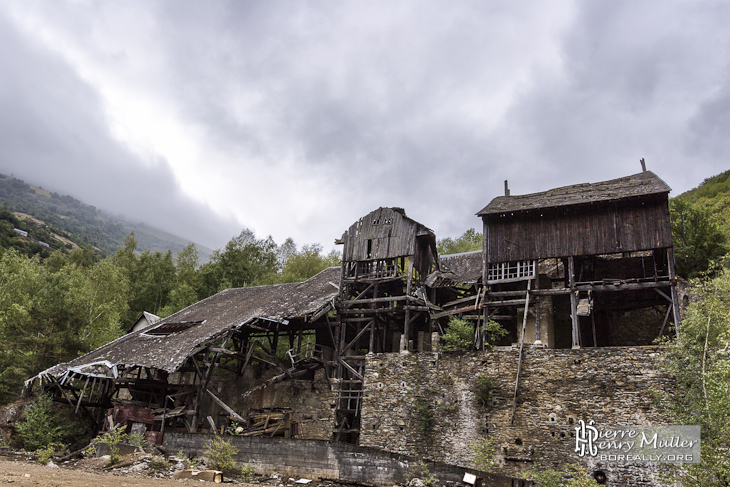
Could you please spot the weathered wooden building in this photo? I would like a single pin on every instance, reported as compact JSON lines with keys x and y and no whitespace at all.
{"x":169,"y":367}
{"x":386,"y":257}
{"x":587,"y":250}
{"x":588,"y":265}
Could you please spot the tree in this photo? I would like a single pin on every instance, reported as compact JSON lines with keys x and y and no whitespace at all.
{"x":153,"y":280}
{"x":698,"y":240}
{"x":300,"y":266}
{"x":468,"y":241}
{"x":19,"y":281}
{"x":98,"y":298}
{"x":699,"y":361}
{"x":52,"y":314}
{"x":184,"y":291}
{"x":245,"y":261}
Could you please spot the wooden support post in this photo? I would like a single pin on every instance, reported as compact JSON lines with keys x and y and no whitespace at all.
{"x":485,"y":277}
{"x":342,"y":291}
{"x":275,"y":344}
{"x":673,"y":282}
{"x":519,"y":361}
{"x":358,"y":336}
{"x":430,"y":322}
{"x":538,"y":324}
{"x":593,"y":325}
{"x":406,"y":326}
{"x":329,"y":330}
{"x":538,"y":302}
{"x":371,"y":345}
{"x":666,"y":318}
{"x":573,"y":303}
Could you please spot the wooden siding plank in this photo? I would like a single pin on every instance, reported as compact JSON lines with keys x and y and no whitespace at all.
{"x":588,"y":230}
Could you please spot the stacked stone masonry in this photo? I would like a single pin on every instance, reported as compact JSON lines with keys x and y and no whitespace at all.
{"x":312,"y":401}
{"x":425,"y":405}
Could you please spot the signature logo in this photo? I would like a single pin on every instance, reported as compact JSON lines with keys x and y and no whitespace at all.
{"x":586,"y":436}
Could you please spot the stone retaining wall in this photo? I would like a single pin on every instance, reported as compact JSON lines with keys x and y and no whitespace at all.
{"x":425,"y":404}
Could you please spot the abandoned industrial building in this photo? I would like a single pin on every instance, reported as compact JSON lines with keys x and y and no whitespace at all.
{"x":581,"y":277}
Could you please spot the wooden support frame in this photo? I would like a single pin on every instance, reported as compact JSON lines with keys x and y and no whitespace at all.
{"x":673,"y":281}
{"x":573,"y":303}
{"x":519,"y":360}
{"x":406,"y":327}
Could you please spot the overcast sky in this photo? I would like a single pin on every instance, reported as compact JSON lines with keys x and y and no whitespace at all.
{"x":295,"y":118}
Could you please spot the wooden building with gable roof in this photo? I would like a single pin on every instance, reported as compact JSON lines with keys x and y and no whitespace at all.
{"x":601,"y":246}
{"x":386,"y":259}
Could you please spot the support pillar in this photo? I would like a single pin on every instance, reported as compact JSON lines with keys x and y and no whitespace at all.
{"x":573,"y":303}
{"x":673,"y":282}
{"x":407,"y":324}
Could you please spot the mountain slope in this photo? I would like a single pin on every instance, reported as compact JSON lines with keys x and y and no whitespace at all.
{"x":84,"y":224}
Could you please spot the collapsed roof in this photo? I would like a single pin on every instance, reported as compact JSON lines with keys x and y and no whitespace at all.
{"x":461,"y":268}
{"x":166,"y":344}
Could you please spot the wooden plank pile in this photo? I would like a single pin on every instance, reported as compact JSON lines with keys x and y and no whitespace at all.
{"x":270,"y":422}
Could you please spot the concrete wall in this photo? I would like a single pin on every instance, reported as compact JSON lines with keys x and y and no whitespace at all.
{"x":321,"y":460}
{"x":558,"y":387}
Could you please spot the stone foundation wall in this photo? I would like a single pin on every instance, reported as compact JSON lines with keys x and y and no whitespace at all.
{"x":311,"y":401}
{"x":425,"y":404}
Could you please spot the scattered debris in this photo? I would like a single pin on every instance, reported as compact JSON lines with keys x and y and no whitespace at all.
{"x":206,"y":475}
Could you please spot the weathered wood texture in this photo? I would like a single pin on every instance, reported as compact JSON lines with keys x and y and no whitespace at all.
{"x":387,"y":233}
{"x":598,"y":228}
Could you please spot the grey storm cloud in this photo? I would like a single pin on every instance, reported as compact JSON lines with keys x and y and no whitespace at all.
{"x":54,"y":132}
{"x":311,"y":114}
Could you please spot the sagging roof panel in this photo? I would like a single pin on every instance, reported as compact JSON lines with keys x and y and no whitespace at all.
{"x":205,"y":320}
{"x":462,"y":268}
{"x":642,"y":184}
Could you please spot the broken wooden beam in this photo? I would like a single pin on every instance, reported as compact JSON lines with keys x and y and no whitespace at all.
{"x":225,"y":406}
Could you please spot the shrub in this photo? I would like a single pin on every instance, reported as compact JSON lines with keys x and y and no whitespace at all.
{"x":484,"y":454}
{"x":220,"y":453}
{"x":246,"y":472}
{"x":425,"y":416}
{"x":41,"y":427}
{"x":112,"y":439}
{"x":45,"y":453}
{"x":159,"y":462}
{"x":137,"y":439}
{"x":421,"y":471}
{"x":484,"y":389}
{"x":494,"y":332}
{"x":458,"y":336}
{"x":187,"y":462}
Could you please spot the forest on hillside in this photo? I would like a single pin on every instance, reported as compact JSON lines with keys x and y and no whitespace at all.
{"x":84,"y":224}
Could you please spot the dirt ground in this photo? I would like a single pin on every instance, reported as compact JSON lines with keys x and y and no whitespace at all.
{"x":21,"y":472}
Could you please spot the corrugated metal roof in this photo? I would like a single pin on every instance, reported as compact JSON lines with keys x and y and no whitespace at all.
{"x":642,"y":184}
{"x":218,"y":313}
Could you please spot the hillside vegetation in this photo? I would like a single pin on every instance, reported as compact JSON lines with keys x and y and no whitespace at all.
{"x":82,"y":224}
{"x":700,"y":228}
